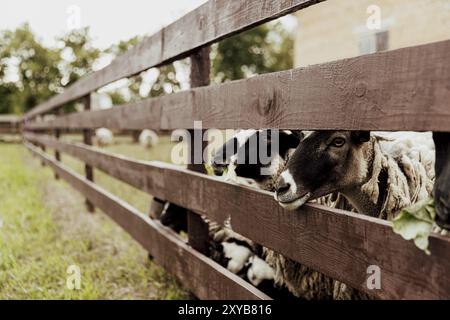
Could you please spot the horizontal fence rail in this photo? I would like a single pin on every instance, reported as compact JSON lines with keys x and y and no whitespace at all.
{"x":205,"y":278}
{"x":338,"y":243}
{"x":9,"y":124}
{"x":394,"y":90}
{"x":404,"y":89}
{"x":212,"y":22}
{"x":9,"y":130}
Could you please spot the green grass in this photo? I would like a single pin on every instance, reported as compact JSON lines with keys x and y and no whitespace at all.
{"x":124,"y":146}
{"x":45,"y":228}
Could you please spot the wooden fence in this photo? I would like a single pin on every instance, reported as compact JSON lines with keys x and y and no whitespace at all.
{"x":405,"y":89}
{"x":9,"y":124}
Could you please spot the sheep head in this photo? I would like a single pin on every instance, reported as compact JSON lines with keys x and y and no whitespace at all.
{"x":324,"y":162}
{"x":255,"y":154}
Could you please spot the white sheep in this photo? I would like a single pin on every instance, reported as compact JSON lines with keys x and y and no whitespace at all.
{"x":237,"y":256}
{"x":259,"y":271}
{"x":148,"y":138}
{"x":104,"y":137}
{"x":229,"y":248}
{"x":409,"y":165}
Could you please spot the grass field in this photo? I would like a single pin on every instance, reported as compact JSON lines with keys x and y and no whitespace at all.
{"x":44,"y":229}
{"x":124,"y":146}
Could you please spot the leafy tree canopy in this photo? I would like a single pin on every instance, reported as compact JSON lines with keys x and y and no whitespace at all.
{"x":266,"y":48}
{"x":79,"y":55}
{"x":30,"y":73}
{"x":32,"y":67}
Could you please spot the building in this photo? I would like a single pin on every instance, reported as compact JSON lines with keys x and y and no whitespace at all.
{"x":338,"y":29}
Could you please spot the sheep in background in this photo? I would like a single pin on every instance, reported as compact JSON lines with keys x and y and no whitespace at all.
{"x":48,"y":117}
{"x":104,"y":137}
{"x":148,"y":138}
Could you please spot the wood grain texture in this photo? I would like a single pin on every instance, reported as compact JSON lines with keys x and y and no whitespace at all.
{"x":338,"y":243}
{"x":201,"y":275}
{"x":9,"y":130}
{"x":57,"y":153}
{"x":405,"y":89}
{"x":9,"y":124}
{"x":87,"y":140}
{"x":209,"y":23}
{"x":57,"y":136}
{"x":198,"y":230}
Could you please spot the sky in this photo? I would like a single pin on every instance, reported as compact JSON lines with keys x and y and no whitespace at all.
{"x":110,"y":20}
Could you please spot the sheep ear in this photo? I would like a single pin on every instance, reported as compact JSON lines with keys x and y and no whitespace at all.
{"x":298,"y":134}
{"x":360,"y":136}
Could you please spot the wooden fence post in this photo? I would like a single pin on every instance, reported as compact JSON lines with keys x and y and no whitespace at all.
{"x":87,"y":139}
{"x":200,"y":76}
{"x":156,"y":208}
{"x":43,"y":148}
{"x":57,"y":136}
{"x":135,"y":135}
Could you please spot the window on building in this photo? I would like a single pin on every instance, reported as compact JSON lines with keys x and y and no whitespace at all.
{"x":374,"y":42}
{"x":382,"y":41}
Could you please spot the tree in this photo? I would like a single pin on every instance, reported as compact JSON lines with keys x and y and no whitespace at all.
{"x":40,"y":72}
{"x":79,"y":55}
{"x":34,"y":67}
{"x":266,"y":48}
{"x":78,"y":58}
{"x":8,"y":95}
{"x":164,"y":82}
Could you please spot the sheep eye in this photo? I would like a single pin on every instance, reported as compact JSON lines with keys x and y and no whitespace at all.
{"x":338,"y":142}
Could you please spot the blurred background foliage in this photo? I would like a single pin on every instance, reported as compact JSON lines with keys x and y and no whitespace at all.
{"x":30,"y":72}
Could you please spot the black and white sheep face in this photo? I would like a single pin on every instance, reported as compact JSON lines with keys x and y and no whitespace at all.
{"x":255,"y":154}
{"x":324,"y":162}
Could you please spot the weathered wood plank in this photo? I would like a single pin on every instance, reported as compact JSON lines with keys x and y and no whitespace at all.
{"x":405,"y":89}
{"x":87,"y":140}
{"x":338,"y":243}
{"x":57,"y":136}
{"x":9,"y":124}
{"x":9,"y":130}
{"x":209,"y":23}
{"x":201,"y":275}
{"x":198,"y":231}
{"x":9,"y":118}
